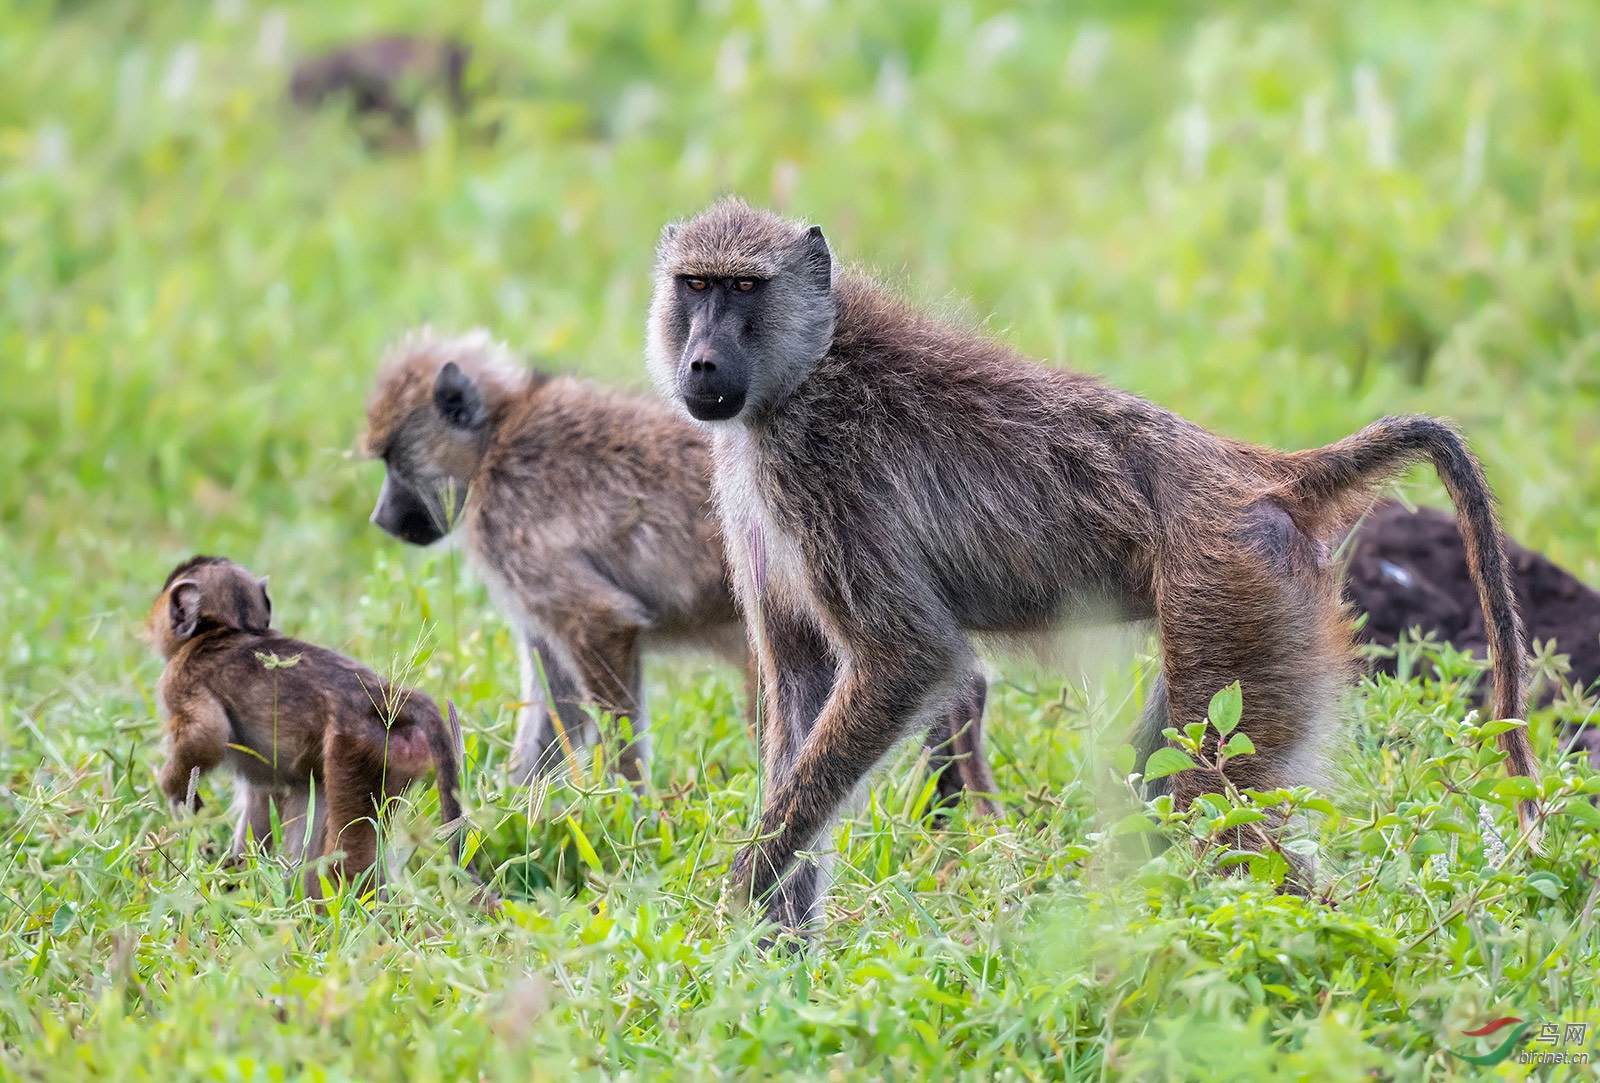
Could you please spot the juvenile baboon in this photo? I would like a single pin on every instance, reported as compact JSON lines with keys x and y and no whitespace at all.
{"x":915,"y":482}
{"x":588,"y":513}
{"x":284,"y":714}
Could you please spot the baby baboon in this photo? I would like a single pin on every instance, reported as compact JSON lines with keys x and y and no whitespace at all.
{"x":915,"y":482}
{"x":284,"y":714}
{"x":588,"y":513}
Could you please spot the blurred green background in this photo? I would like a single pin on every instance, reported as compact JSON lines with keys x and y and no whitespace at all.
{"x":1279,"y":220}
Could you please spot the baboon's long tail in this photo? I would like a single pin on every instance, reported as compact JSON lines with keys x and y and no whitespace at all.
{"x":1327,"y":481}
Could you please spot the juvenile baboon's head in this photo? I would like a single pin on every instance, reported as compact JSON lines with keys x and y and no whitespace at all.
{"x":430,"y":418}
{"x":743,"y":309}
{"x":204,"y":593}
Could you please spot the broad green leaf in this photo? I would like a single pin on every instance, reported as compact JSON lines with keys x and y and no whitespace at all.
{"x":62,"y":919}
{"x":1238,"y":817}
{"x":1269,"y":868}
{"x":1499,"y":726}
{"x":1166,"y":761}
{"x":1122,"y":760}
{"x":1583,"y":812}
{"x":1239,"y":745}
{"x":1226,"y":707}
{"x":1135,"y":823}
{"x":1373,"y":842}
{"x":1516,"y":788}
{"x":1546,"y":883}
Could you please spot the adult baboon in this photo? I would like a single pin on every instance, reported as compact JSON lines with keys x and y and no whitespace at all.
{"x":914,"y":482}
{"x":588,"y":512}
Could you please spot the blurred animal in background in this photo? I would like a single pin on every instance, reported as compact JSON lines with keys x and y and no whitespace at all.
{"x":384,"y":80}
{"x":588,"y":513}
{"x":915,"y":483}
{"x":1408,"y":570}
{"x":286,"y":716}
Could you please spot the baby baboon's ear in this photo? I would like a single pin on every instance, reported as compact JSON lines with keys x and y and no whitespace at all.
{"x":265,"y":598}
{"x":184,"y":602}
{"x":458,"y":398}
{"x":819,"y":261}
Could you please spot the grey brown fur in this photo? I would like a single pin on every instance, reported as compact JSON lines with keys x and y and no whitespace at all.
{"x":585,"y":510}
{"x":589,"y":514}
{"x":313,"y":716}
{"x":914,"y":483}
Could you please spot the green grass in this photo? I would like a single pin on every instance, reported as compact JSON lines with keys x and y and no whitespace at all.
{"x":197,"y":280}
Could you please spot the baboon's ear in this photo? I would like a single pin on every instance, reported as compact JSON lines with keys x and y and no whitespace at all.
{"x":669,"y":233}
{"x":458,"y":398}
{"x":265,"y":597}
{"x":184,"y":602}
{"x":819,"y":261}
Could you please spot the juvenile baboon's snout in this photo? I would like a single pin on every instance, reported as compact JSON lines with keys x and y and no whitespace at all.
{"x":401,"y":513}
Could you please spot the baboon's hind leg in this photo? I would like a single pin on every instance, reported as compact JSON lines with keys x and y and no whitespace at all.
{"x":353,"y":773}
{"x":1257,"y":607}
{"x":610,"y":668}
{"x":956,"y":756}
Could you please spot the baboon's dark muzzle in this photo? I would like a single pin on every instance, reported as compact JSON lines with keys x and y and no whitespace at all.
{"x":401,"y":513}
{"x":713,"y":388}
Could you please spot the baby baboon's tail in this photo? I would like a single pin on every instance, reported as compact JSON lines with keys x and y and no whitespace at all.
{"x":444,"y":741}
{"x":1328,"y":483}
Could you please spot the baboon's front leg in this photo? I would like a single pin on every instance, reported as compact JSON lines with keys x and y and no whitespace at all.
{"x":796,"y":671}
{"x":199,"y":731}
{"x":874,"y":699}
{"x":537,"y":747}
{"x":956,"y":756}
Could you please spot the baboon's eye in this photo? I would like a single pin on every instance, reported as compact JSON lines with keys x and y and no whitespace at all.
{"x":744,"y":285}
{"x":696,"y":284}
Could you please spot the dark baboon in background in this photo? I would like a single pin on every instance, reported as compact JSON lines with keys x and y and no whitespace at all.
{"x":283,"y":714}
{"x":588,"y":512}
{"x":384,"y":79}
{"x":915,"y":482}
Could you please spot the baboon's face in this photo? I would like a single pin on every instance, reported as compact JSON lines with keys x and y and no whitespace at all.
{"x":429,"y":461}
{"x":742,"y":311}
{"x":205,"y":593}
{"x":714,"y":378}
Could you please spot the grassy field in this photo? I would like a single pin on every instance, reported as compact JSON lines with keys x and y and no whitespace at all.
{"x":1280,"y":221}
